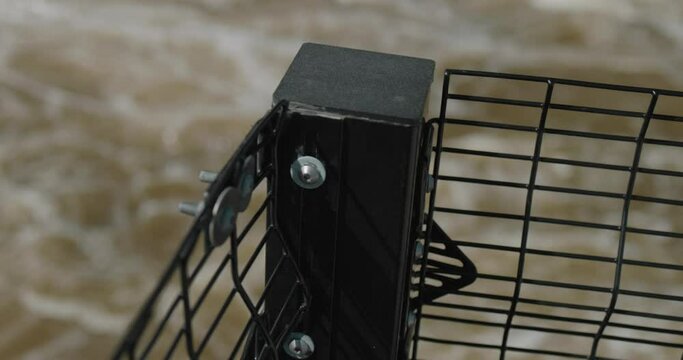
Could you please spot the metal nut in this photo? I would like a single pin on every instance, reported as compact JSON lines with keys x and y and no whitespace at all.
{"x":419,"y":251}
{"x":308,"y":172}
{"x":232,"y":201}
{"x":412,"y":318}
{"x":430,"y":183}
{"x":225,"y":215}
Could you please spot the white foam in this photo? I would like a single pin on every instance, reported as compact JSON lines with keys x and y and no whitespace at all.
{"x":65,"y":342}
{"x":86,"y":315}
{"x":620,"y":8}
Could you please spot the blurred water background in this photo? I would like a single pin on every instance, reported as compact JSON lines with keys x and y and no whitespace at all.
{"x":109,"y":108}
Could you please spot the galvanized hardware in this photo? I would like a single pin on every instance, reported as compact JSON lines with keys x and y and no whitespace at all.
{"x":299,"y":346}
{"x":207,"y":176}
{"x":308,"y":172}
{"x":247,"y":181}
{"x":191,"y":208}
{"x":412,"y":318}
{"x":231,"y":202}
{"x":225,"y":215}
{"x":419,"y":251}
{"x":429,"y":186}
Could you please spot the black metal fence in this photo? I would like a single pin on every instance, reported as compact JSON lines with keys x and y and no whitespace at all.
{"x":533,"y":256}
{"x":154,"y":334}
{"x":651,"y":318}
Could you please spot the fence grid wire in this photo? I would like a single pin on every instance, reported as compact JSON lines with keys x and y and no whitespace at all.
{"x":263,"y":334}
{"x":497,"y":301}
{"x":671,"y":336}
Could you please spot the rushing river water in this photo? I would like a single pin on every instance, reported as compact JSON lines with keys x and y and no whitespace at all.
{"x":109,"y":108}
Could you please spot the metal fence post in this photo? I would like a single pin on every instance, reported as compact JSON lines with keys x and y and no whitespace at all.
{"x":351,"y":229}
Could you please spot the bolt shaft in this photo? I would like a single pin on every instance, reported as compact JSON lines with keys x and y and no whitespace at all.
{"x":207,"y":176}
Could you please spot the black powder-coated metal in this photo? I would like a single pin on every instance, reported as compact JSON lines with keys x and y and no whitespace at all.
{"x":352,"y":235}
{"x":647,"y":116}
{"x":337,"y":257}
{"x":360,"y":114}
{"x":364,"y":82}
{"x":340,"y":260}
{"x":262,"y":334}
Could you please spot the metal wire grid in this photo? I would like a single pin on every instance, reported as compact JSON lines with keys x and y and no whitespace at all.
{"x":263,"y":332}
{"x":510,"y":312}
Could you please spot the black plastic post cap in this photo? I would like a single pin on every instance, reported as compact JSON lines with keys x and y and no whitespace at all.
{"x":358,"y":81}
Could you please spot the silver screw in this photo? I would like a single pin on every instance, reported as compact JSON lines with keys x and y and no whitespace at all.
{"x":299,"y":346}
{"x":308,"y":172}
{"x":207,"y":176}
{"x":191,"y":208}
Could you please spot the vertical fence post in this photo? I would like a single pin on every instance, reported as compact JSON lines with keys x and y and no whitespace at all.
{"x":360,"y":114}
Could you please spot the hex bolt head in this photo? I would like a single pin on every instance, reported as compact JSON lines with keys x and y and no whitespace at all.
{"x":308,"y":172}
{"x":299,"y":346}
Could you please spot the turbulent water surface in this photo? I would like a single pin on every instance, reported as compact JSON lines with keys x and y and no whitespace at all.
{"x":109,"y":108}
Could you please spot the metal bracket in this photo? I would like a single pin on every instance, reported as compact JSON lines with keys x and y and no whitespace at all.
{"x":451,"y":277}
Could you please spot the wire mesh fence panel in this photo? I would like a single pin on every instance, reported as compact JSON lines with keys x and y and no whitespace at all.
{"x":534,"y":218}
{"x":567,"y":196}
{"x":210,"y":301}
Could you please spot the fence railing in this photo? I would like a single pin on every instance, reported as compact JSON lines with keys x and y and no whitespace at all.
{"x":650,"y":317}
{"x":168,"y":325}
{"x":319,"y":237}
